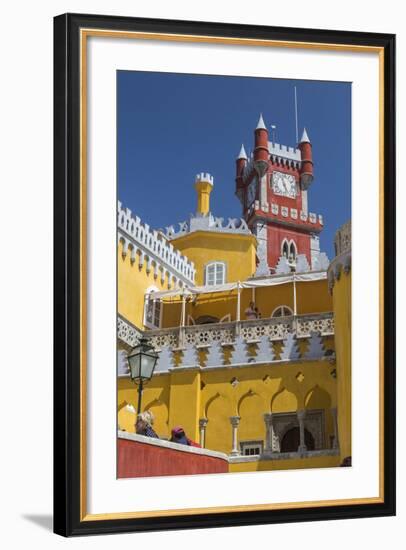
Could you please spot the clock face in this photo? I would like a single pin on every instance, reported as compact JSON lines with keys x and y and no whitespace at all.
{"x":284,"y":184}
{"x":251,"y":191}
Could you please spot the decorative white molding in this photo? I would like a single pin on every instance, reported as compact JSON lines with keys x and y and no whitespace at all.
{"x":127,"y":332}
{"x":302,"y":265}
{"x":215,"y":355}
{"x":201,"y":222}
{"x":290,"y":350}
{"x":152,"y":247}
{"x":240,"y":353}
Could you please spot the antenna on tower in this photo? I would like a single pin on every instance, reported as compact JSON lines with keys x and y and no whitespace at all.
{"x":273,"y":128}
{"x":297,"y":133}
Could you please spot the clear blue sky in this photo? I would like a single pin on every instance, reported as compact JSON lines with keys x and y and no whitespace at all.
{"x":172,"y":126}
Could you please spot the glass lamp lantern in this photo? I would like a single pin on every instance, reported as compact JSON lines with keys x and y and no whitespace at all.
{"x":142,"y":361}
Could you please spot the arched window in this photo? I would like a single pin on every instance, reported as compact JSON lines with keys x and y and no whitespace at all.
{"x":285,"y":249}
{"x":215,"y":273}
{"x":289,"y":250}
{"x":152,"y":309}
{"x":282,"y":311}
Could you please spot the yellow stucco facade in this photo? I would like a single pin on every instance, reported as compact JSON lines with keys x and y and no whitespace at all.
{"x":265,"y":413}
{"x":236,"y":251}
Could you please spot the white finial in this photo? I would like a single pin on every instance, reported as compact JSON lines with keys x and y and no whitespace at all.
{"x":305,"y":137}
{"x":242,"y":154}
{"x":261,"y":123}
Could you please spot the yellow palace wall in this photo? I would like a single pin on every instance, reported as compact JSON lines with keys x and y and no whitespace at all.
{"x":182,"y":397}
{"x":132,"y":285}
{"x":236,"y":250}
{"x":342,"y":320}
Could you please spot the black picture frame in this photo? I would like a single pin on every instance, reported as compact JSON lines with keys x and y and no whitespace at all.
{"x":67,"y":288}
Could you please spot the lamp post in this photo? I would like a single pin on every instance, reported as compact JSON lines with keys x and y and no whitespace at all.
{"x":142,"y":361}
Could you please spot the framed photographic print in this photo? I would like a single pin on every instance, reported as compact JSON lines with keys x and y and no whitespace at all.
{"x":224,"y":274}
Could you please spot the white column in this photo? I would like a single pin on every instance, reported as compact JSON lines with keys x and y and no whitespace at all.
{"x":268,"y":432}
{"x":301,"y":416}
{"x":202,"y":427}
{"x":334,"y":415}
{"x":238,"y":316}
{"x":235,"y":420}
{"x":294,"y":296}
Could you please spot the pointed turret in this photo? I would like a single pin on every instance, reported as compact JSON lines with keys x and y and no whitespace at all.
{"x":261,"y":123}
{"x":241,"y":162}
{"x":261,"y":152}
{"x":305,"y":137}
{"x":306,"y":168}
{"x":242,"y":155}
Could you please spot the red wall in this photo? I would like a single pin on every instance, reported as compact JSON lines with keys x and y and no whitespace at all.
{"x":136,"y":459}
{"x":276,"y":234}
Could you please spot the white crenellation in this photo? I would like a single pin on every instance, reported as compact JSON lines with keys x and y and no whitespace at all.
{"x":285,"y":153}
{"x":152,"y":247}
{"x":290,"y":349}
{"x":265,"y":353}
{"x":165,"y":360}
{"x":315,"y":348}
{"x":302,"y":265}
{"x":206,"y":177}
{"x":282,"y":267}
{"x":215,"y":356}
{"x":201,"y":222}
{"x":240,"y":352}
{"x":320,"y":262}
{"x":190,"y":356}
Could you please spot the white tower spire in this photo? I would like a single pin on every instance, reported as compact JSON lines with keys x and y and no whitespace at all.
{"x":261,"y":123}
{"x":242,"y":154}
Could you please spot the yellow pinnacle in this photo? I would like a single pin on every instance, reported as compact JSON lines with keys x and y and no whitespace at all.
{"x":203,"y":186}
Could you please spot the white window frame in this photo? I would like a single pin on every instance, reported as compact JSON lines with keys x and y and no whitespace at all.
{"x":247,"y":445}
{"x":149,"y":292}
{"x":292,"y":251}
{"x":284,"y":307}
{"x":215,"y":265}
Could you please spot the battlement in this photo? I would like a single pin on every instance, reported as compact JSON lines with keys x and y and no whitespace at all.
{"x":208,"y":223}
{"x":284,"y":151}
{"x":153,"y":247}
{"x":204,"y":177}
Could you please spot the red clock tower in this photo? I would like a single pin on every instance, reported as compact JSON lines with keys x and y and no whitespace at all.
{"x":272,"y":187}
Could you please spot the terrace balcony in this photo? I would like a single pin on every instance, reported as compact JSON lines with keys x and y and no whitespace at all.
{"x":251,"y":331}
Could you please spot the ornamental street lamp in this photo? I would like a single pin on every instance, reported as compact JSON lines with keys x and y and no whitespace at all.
{"x":142,"y":361}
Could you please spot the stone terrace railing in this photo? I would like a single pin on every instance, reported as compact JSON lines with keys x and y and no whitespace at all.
{"x":276,"y":328}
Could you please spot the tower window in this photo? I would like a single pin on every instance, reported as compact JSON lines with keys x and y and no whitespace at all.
{"x":152,"y":310}
{"x":215,"y":273}
{"x":289,"y":250}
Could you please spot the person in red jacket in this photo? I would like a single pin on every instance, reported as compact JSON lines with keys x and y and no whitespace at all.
{"x":179,"y":436}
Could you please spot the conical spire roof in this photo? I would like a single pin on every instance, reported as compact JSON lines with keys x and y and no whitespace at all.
{"x":305,"y":137}
{"x":261,"y":123}
{"x":242,"y":154}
